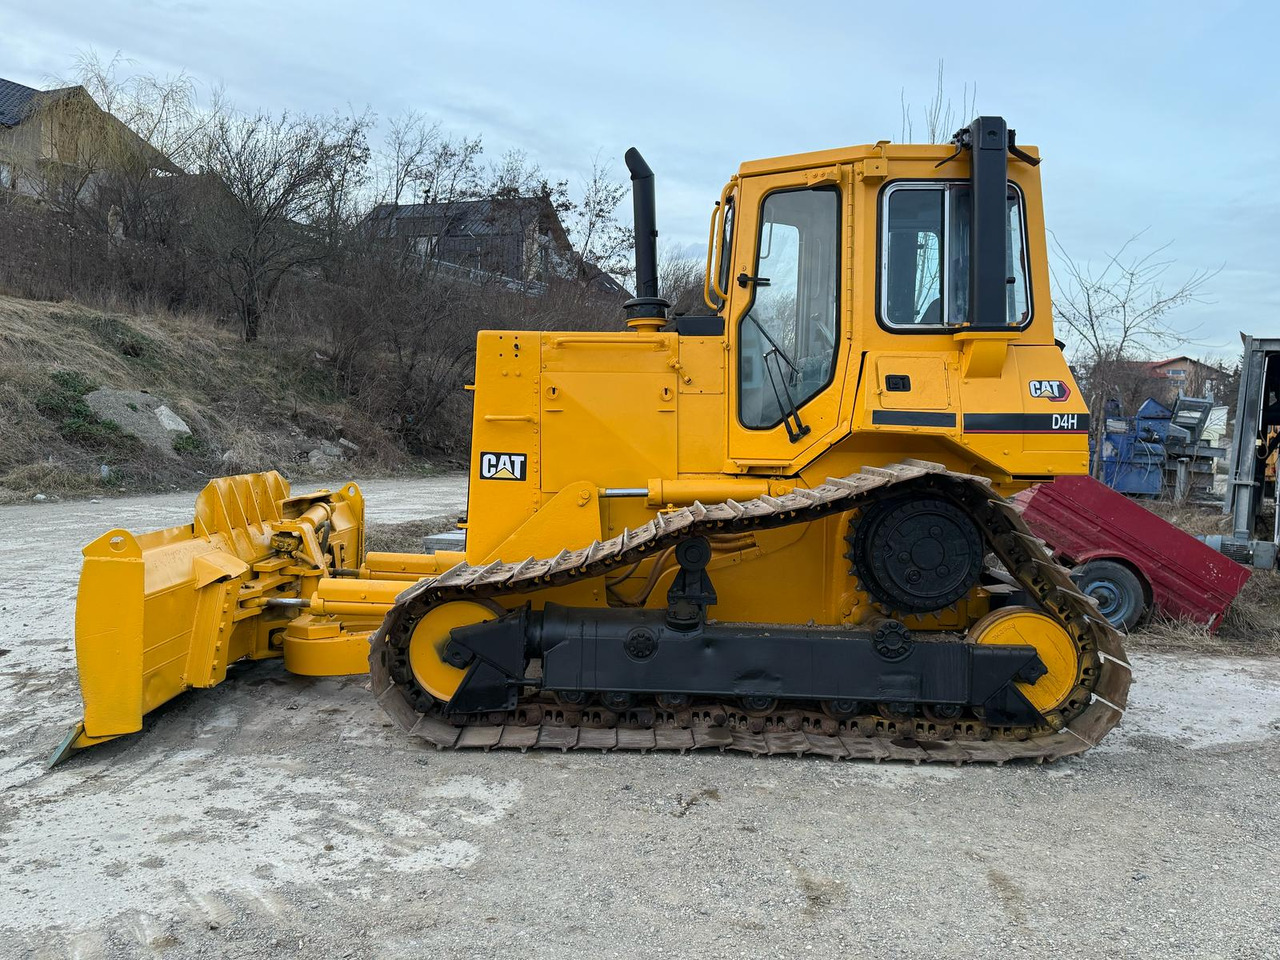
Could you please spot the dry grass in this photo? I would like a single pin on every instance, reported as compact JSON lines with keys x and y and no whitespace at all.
{"x":247,"y":401}
{"x":1251,"y":626}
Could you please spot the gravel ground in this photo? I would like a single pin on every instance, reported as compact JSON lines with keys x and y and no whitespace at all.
{"x":277,"y":816}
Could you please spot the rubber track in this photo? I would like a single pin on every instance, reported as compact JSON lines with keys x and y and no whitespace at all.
{"x":1090,"y":711}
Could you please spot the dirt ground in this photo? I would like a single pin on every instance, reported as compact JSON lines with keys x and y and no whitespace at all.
{"x":277,"y":816}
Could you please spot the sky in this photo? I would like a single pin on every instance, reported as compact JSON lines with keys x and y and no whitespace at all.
{"x":1152,"y":117}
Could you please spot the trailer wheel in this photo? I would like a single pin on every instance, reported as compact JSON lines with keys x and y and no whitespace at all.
{"x":1121,"y":598}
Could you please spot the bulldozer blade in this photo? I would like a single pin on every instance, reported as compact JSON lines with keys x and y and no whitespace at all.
{"x":162,"y":612}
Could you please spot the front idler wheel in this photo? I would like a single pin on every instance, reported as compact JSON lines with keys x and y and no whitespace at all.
{"x":431,"y":667}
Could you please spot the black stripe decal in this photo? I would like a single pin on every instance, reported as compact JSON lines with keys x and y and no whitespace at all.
{"x":1026,"y":423}
{"x":912,"y":418}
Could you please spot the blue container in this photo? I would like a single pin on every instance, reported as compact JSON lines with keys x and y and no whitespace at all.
{"x":1133,"y":453}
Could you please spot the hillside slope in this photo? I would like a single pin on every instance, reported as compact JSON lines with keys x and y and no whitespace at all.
{"x":248,"y":406}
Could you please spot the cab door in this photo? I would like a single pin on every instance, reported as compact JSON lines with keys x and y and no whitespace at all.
{"x":788,"y":321}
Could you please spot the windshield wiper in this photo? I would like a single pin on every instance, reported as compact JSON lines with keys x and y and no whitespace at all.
{"x":772,"y":342}
{"x":796,"y":428}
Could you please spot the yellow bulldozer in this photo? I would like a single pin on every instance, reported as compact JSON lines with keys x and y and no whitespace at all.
{"x":776,"y":527}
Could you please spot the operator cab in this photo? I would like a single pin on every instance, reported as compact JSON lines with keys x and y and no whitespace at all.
{"x":816,"y":259}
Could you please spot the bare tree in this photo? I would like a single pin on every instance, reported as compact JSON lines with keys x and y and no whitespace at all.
{"x":526,"y":198}
{"x":680,"y":280}
{"x":1116,"y":316}
{"x":603,"y":242}
{"x":346,"y":182}
{"x":163,"y":111}
{"x":938,"y":115}
{"x":410,"y":141}
{"x":269,"y":183}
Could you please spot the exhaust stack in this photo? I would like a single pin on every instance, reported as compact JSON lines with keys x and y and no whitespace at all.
{"x":646,"y":310}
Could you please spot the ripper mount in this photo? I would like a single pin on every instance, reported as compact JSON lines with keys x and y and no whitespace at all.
{"x":629,"y":651}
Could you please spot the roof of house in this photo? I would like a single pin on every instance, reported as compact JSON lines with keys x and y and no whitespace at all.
{"x":1157,"y":364}
{"x":17,"y":100}
{"x":493,"y":216}
{"x":481,"y":216}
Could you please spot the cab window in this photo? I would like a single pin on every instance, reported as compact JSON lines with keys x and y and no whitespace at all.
{"x":787,"y":339}
{"x":924,"y":271}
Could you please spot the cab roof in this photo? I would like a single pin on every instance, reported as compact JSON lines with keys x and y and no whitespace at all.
{"x":837,"y":155}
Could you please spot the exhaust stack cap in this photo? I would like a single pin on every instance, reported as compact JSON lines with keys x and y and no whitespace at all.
{"x":646,"y":310}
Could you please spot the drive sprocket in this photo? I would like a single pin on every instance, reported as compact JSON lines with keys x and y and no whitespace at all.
{"x":915,"y":554}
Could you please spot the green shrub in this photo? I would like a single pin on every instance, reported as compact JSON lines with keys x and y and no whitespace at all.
{"x":64,"y":397}
{"x":89,"y":431}
{"x":188,"y":443}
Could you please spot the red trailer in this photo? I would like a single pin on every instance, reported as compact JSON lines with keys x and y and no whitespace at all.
{"x":1126,"y":557}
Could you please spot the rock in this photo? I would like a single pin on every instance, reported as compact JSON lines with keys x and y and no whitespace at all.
{"x":320,"y":460}
{"x":344,"y":442}
{"x":140,"y":415}
{"x":39,"y":498}
{"x":171,"y":421}
{"x":296,"y":447}
{"x":330,"y":449}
